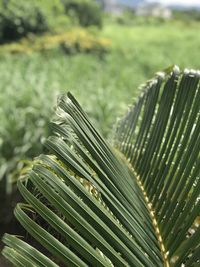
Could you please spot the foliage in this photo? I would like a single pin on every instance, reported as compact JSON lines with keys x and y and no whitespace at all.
{"x":55,"y":14}
{"x":81,"y":41}
{"x":160,"y":138}
{"x":15,"y":135}
{"x":187,"y":15}
{"x":19,"y":18}
{"x":87,"y":12}
{"x":77,"y":40}
{"x":91,"y":205}
{"x":35,"y":79}
{"x":129,"y":18}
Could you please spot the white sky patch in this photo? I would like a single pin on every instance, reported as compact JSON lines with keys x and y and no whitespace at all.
{"x":178,"y":2}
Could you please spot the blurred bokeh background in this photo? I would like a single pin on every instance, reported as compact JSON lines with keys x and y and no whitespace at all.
{"x":100,"y":51}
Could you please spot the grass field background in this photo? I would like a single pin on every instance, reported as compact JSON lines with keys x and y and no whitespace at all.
{"x":104,"y":86}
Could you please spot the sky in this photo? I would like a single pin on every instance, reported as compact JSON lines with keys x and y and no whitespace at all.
{"x":178,"y":2}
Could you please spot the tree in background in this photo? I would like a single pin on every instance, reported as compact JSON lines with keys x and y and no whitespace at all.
{"x":86,"y":12}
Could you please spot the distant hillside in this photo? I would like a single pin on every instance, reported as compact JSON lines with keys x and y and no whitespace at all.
{"x":135,"y":3}
{"x":183,"y":7}
{"x":130,"y":3}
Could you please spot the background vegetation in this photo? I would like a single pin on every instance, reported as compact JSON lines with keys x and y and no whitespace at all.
{"x":51,"y":49}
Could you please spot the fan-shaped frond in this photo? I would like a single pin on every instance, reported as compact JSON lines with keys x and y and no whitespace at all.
{"x":160,"y":137}
{"x":91,"y":205}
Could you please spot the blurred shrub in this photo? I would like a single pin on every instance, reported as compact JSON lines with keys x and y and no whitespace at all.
{"x":81,"y":41}
{"x":129,"y":18}
{"x":187,"y":15}
{"x":85,"y":12}
{"x":72,"y":42}
{"x":54,"y":12}
{"x":18,"y":18}
{"x":24,"y":121}
{"x":21,"y":131}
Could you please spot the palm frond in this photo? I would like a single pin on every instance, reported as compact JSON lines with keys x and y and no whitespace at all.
{"x":160,"y":137}
{"x":135,"y":204}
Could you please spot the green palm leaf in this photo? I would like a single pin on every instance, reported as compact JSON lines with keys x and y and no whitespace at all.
{"x":135,"y":203}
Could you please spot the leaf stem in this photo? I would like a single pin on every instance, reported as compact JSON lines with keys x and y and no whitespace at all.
{"x":151,"y":211}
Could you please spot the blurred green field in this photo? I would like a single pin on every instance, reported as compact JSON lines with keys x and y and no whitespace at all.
{"x":104,"y":86}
